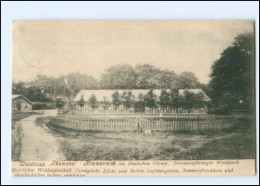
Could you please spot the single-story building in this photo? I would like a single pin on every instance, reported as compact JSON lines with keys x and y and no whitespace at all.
{"x":106,"y":96}
{"x":21,"y":103}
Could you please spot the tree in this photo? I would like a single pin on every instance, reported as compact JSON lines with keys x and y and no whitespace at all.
{"x":192,"y":100}
{"x":60,"y":102}
{"x":188,"y":101}
{"x":44,"y":83}
{"x":166,"y":79}
{"x":198,"y":100}
{"x":176,"y":101}
{"x":92,"y":101}
{"x":142,"y":77}
{"x":147,"y":76}
{"x":35,"y":94}
{"x":140,"y":103}
{"x":55,"y":85}
{"x":116,"y":101}
{"x":118,"y":77}
{"x":187,"y":80}
{"x":164,"y":99}
{"x":78,"y":81}
{"x":232,"y":76}
{"x":81,"y":102}
{"x":151,"y":99}
{"x":127,"y":99}
{"x":18,"y":87}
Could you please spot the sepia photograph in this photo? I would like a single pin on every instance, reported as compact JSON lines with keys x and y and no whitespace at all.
{"x":133,"y":90}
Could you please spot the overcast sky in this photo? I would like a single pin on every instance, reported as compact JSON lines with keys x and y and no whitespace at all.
{"x":57,"y":47}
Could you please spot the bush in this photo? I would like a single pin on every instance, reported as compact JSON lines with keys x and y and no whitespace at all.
{"x":219,"y":111}
{"x":43,"y":106}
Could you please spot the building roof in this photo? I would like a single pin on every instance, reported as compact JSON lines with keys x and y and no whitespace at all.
{"x":15,"y":96}
{"x":107,"y":94}
{"x":19,"y":95}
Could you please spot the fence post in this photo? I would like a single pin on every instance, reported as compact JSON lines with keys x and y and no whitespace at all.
{"x":138,"y":124}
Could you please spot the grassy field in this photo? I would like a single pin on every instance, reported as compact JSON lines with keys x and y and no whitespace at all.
{"x":16,"y":116}
{"x":238,"y":143}
{"x":17,"y":133}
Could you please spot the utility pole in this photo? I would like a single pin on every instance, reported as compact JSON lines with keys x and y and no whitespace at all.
{"x":64,"y":89}
{"x":65,"y":82}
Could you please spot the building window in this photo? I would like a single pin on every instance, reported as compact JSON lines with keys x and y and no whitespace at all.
{"x":25,"y":106}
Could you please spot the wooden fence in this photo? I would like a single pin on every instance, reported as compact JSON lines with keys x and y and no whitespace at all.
{"x":126,"y":112}
{"x":159,"y":125}
{"x":189,"y":116}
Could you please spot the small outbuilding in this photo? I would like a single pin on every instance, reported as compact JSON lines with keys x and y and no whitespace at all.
{"x":21,"y":103}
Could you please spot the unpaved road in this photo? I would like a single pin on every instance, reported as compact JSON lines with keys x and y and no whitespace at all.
{"x":38,"y":144}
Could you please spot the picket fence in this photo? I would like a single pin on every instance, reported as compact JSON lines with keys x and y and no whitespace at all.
{"x":111,"y":125}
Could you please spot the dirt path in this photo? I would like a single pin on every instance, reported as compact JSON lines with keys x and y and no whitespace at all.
{"x":38,"y":144}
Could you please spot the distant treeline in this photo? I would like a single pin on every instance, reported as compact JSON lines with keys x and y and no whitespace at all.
{"x":116,"y":77}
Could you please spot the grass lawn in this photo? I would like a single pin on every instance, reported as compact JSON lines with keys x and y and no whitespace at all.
{"x":16,"y":141}
{"x":16,"y":116}
{"x":236,"y":143}
{"x":17,"y":133}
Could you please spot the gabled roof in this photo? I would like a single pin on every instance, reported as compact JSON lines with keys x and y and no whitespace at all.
{"x":107,"y":94}
{"x":15,"y":96}
{"x":19,"y":95}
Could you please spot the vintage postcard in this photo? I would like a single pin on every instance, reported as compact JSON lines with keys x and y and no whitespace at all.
{"x":133,"y":98}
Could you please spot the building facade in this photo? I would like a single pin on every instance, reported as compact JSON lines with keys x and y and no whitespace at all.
{"x":21,"y":103}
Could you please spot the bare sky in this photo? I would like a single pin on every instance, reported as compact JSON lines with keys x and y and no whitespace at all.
{"x":57,"y":47}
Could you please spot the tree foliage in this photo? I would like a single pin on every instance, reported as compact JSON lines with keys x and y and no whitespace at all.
{"x":150,"y":99}
{"x":140,"y":103}
{"x":149,"y":77}
{"x":60,"y":102}
{"x":232,"y":76}
{"x":127,"y":99}
{"x":78,"y":81}
{"x":176,"y":100}
{"x":145,"y":77}
{"x":18,"y":87}
{"x":164,"y":99}
{"x":81,"y":102}
{"x":93,"y":102}
{"x":118,"y":77}
{"x":191,"y":100}
{"x":45,"y":89}
{"x":35,"y":94}
{"x":116,"y":100}
{"x":187,"y":80}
